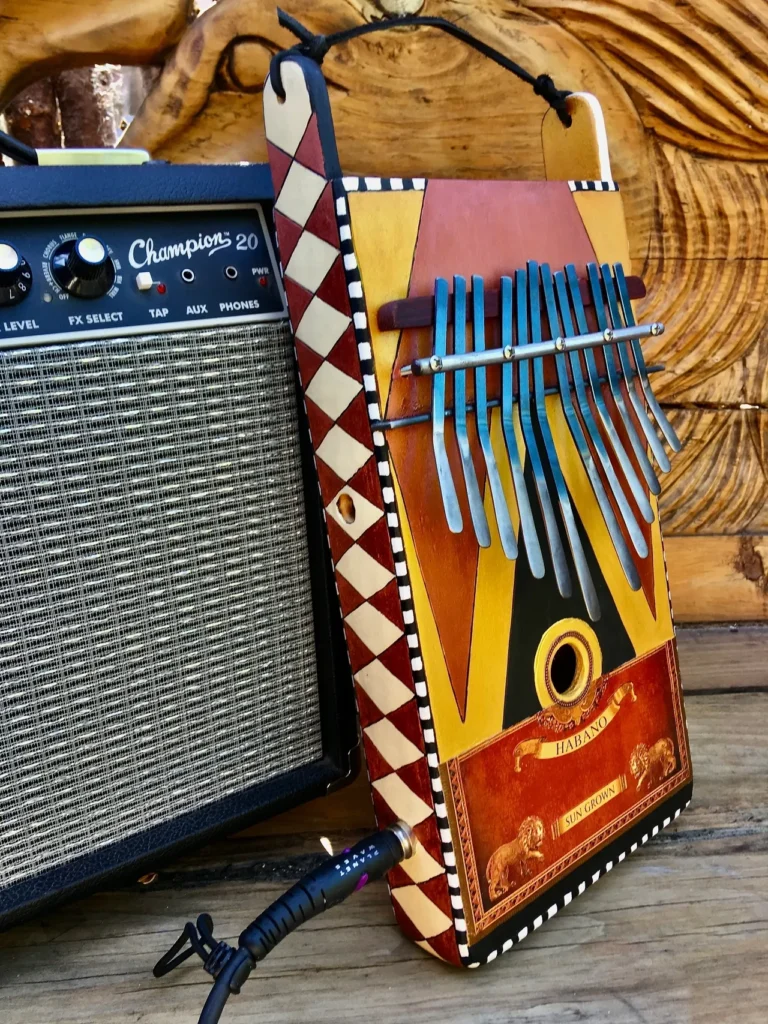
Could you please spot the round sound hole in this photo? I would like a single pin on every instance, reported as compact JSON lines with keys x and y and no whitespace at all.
{"x":563,"y":669}
{"x":346,"y":507}
{"x":567,"y":662}
{"x":569,"y":669}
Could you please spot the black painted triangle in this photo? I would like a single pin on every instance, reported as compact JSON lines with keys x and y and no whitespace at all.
{"x":538,"y":604}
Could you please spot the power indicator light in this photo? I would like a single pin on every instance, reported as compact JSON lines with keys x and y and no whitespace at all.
{"x":263,"y":282}
{"x":161,"y":288}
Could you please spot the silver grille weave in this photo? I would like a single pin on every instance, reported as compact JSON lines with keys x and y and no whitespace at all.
{"x":156,"y":633}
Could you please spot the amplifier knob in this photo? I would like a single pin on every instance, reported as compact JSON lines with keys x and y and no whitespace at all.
{"x":84,"y":267}
{"x":15,"y":275}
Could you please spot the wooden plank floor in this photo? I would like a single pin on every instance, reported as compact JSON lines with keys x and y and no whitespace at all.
{"x":678,"y":934}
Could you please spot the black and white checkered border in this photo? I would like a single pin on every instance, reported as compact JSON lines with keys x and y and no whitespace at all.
{"x":593,"y":186}
{"x":578,"y":889}
{"x":367,"y":184}
{"x":363,"y":339}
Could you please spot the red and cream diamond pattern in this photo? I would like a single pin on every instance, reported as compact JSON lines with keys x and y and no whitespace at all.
{"x":349,"y":464}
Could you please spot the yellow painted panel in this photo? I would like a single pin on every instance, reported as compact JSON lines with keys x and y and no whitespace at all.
{"x":645,"y":632}
{"x":438,"y":681}
{"x":385,"y":226}
{"x":603,"y":217}
{"x":492,"y":619}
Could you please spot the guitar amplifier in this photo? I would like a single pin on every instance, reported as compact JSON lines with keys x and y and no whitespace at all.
{"x":172,"y":660}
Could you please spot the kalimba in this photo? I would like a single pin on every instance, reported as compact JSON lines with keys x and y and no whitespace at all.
{"x":488,"y":450}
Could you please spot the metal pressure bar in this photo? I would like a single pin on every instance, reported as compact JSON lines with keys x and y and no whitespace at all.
{"x":534,"y":350}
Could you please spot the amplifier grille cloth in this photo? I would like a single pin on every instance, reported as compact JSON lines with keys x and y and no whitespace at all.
{"x":156,"y":633}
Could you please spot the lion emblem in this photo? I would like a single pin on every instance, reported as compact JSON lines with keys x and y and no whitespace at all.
{"x":511,"y":863}
{"x":649,"y":765}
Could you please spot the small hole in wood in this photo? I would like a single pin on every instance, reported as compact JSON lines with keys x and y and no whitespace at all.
{"x":562,"y":671}
{"x":346,"y":507}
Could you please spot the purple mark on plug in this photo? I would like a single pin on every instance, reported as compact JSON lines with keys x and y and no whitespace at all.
{"x":363,"y":881}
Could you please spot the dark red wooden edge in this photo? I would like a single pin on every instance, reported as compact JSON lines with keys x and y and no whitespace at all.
{"x":420,"y":312}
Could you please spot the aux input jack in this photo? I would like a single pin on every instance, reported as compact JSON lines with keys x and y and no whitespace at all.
{"x":187,"y":275}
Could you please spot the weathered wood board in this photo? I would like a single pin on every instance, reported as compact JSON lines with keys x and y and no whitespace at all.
{"x":677,"y":934}
{"x":718,"y":578}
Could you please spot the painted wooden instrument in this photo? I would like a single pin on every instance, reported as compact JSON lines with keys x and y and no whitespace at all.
{"x":487,"y":447}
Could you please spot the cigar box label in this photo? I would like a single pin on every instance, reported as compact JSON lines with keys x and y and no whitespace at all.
{"x":533,"y":802}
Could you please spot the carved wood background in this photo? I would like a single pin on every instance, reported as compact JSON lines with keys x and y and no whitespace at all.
{"x":685,"y":91}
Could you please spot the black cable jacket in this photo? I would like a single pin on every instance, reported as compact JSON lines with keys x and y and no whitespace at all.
{"x":16,"y":150}
{"x":325,"y":887}
{"x":320,"y":890}
{"x":241,"y":962}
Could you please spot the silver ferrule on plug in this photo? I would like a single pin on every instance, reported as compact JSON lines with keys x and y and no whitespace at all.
{"x":407,"y":839}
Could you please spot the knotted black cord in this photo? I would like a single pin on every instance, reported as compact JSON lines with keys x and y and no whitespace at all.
{"x":316,"y":46}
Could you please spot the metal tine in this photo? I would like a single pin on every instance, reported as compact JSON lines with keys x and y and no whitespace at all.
{"x":633,"y":529}
{"x":503,"y":521}
{"x":642,"y":370}
{"x":626,"y":368}
{"x":527,"y":525}
{"x":635,"y":485}
{"x":444,"y":476}
{"x":577,"y":432}
{"x":614,"y":383}
{"x":556,"y":550}
{"x":563,"y":499}
{"x":475,"y":499}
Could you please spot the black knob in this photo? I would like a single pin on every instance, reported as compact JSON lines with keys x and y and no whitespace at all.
{"x":83,"y":267}
{"x":15,"y":276}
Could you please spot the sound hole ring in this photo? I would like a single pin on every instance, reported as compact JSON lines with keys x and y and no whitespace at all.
{"x":567,"y":661}
{"x":582,"y":673}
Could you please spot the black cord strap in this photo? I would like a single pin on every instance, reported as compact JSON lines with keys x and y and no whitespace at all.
{"x":316,"y":46}
{"x":17,"y":150}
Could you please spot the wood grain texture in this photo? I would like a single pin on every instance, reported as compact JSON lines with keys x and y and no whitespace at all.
{"x":722,"y":659}
{"x":683,"y":90}
{"x":386,"y":89}
{"x":718,"y":578}
{"x":683,"y":87}
{"x":676,"y":933}
{"x":39,"y":37}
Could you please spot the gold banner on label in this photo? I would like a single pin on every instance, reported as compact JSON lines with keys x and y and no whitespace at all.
{"x":540,"y":748}
{"x":589,"y":806}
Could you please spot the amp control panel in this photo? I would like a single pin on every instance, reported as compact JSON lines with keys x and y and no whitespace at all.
{"x":71,"y":275}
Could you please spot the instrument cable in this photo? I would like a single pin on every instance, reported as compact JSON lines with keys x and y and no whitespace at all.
{"x":325,"y":887}
{"x":17,"y":150}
